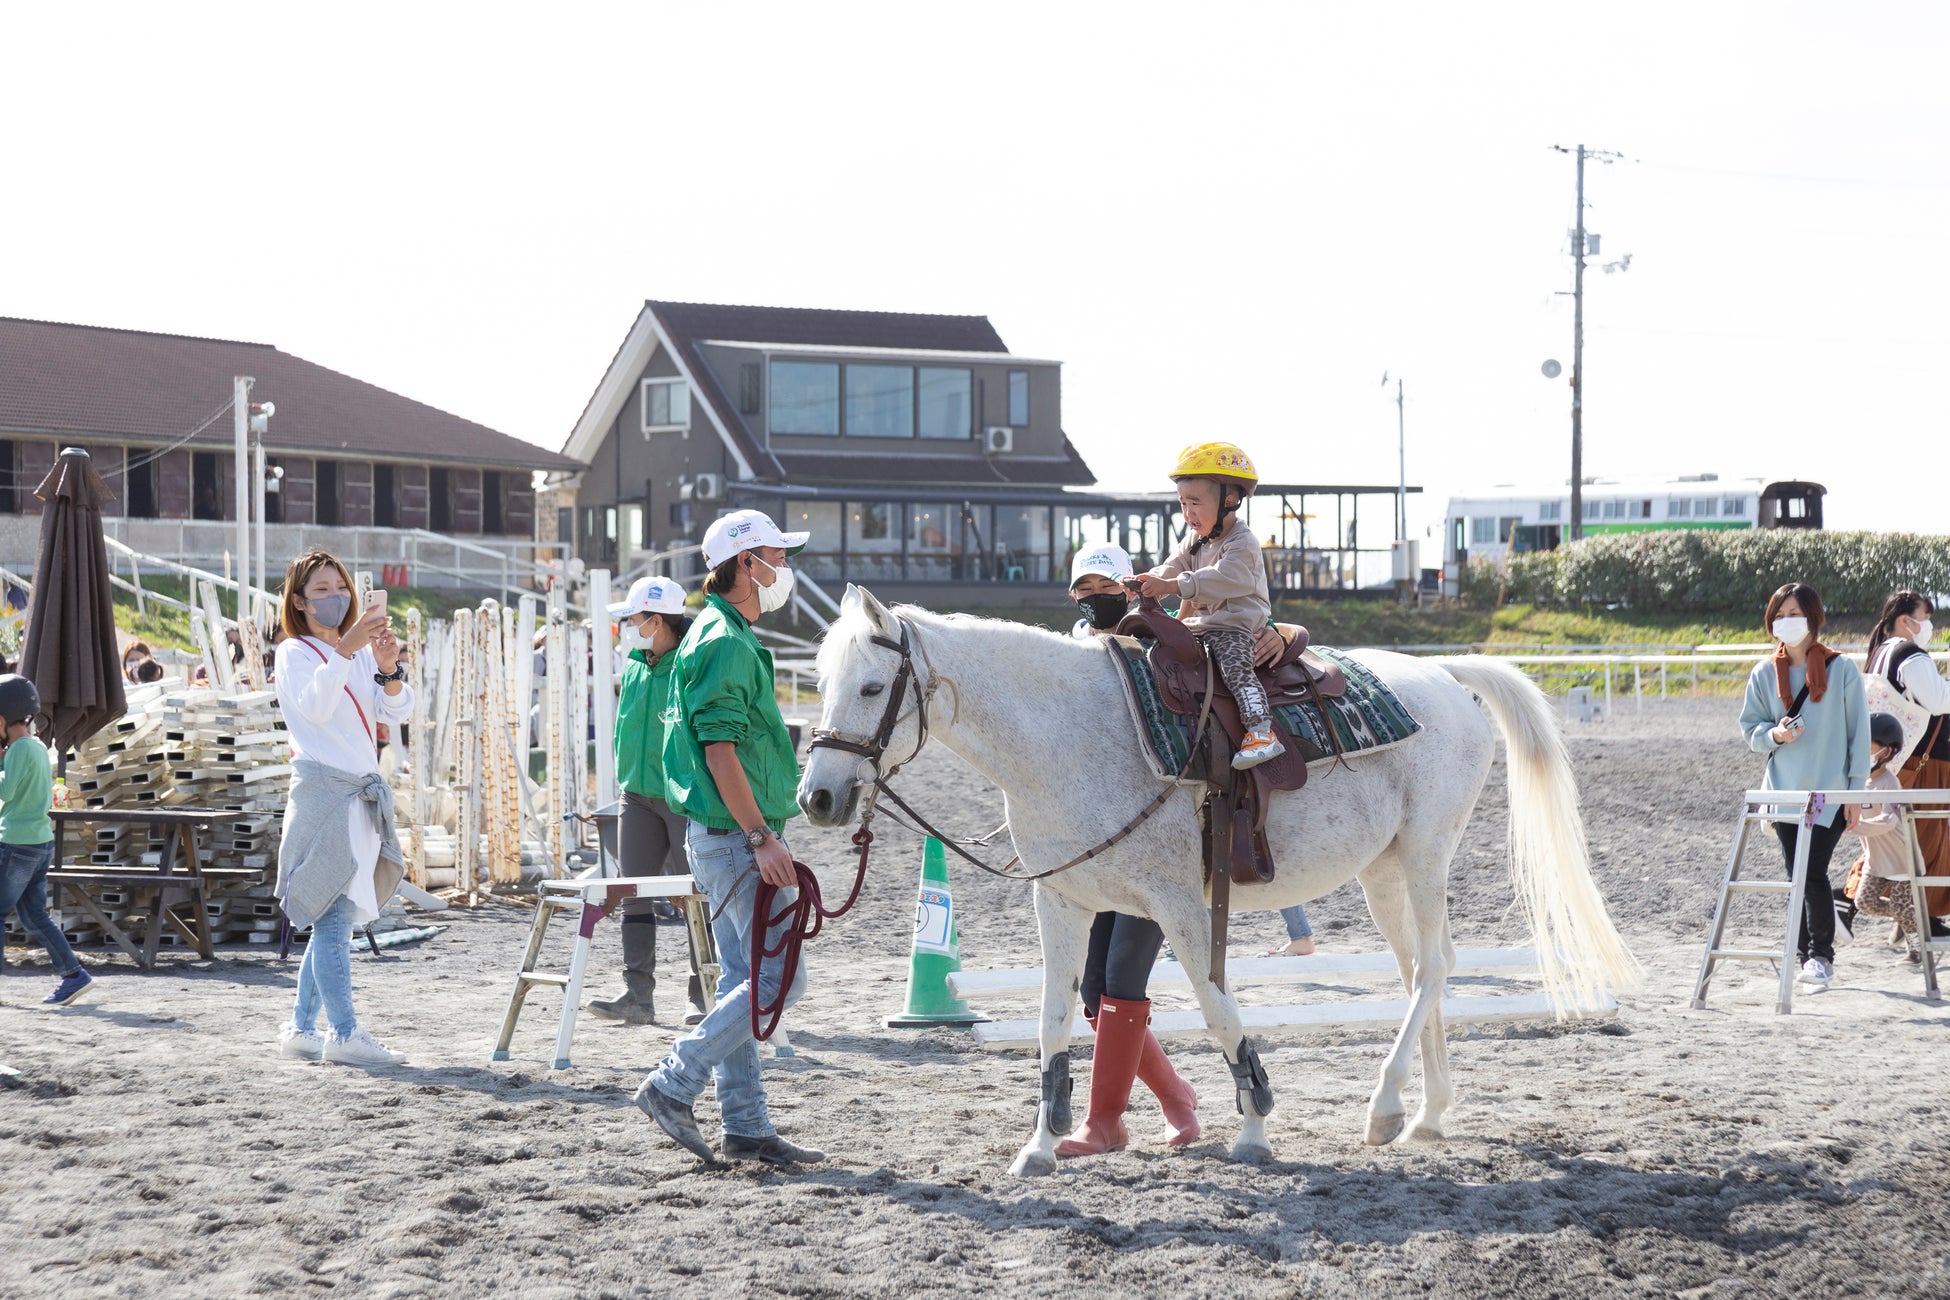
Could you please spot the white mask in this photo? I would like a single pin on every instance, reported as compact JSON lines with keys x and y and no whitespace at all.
{"x":1924,"y":631}
{"x":1790,"y":631}
{"x":633,"y":638}
{"x":775,"y":596}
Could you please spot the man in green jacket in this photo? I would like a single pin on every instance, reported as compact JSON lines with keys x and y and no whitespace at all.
{"x":730,"y":767}
{"x":650,"y":837}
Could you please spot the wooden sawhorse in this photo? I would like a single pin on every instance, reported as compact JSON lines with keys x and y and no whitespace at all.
{"x":586,"y":897}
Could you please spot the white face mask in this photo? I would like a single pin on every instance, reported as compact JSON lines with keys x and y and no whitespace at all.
{"x":634,"y":637}
{"x":775,"y":596}
{"x":1924,"y":631}
{"x":1790,"y":631}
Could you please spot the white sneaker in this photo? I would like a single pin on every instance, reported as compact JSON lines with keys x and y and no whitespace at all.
{"x":361,"y":1049}
{"x":305,"y":1044}
{"x":1815,"y":974}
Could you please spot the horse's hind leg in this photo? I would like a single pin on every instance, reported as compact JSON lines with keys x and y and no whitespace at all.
{"x":1189,"y":927}
{"x":1065,"y":931}
{"x":1419,"y":935}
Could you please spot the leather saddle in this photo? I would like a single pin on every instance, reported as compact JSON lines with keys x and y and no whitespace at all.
{"x":1237,"y":802}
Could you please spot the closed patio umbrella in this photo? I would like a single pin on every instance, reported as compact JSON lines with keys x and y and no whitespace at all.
{"x":70,"y":651}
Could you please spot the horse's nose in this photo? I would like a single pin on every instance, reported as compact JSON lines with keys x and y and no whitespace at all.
{"x":819,"y":804}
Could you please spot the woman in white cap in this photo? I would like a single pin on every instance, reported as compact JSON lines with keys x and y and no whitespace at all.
{"x":650,"y":839}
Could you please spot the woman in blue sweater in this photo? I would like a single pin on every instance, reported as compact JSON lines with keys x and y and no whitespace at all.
{"x":1807,"y":711}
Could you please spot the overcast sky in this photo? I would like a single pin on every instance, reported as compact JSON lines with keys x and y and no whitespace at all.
{"x":1227,"y":220}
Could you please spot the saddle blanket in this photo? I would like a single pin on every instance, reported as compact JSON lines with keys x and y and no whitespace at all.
{"x":1369,"y":718}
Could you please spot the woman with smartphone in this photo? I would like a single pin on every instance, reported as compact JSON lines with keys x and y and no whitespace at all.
{"x":1807,"y":710}
{"x":338,"y":679}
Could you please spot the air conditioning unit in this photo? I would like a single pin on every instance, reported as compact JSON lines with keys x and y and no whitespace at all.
{"x":998,"y":440}
{"x":708,"y":487}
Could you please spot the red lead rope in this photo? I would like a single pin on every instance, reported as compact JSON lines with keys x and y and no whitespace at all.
{"x":802,"y":918}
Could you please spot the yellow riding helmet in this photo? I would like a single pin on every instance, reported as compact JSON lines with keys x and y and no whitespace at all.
{"x":1219,"y":460}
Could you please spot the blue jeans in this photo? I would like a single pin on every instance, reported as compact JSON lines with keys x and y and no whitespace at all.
{"x":722,"y":1048}
{"x":1296,"y":923}
{"x":326,"y":973}
{"x":23,"y":888}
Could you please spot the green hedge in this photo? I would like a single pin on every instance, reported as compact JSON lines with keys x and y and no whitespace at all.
{"x":1699,"y":571}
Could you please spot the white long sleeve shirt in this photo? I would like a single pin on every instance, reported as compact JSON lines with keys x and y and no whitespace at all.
{"x":1923,"y":683}
{"x":332,"y":711}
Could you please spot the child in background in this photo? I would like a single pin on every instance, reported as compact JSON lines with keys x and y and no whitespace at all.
{"x":27,"y":835}
{"x":1884,"y":889}
{"x":1219,"y":576}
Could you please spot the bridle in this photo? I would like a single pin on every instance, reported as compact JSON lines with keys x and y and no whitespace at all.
{"x":874,"y":750}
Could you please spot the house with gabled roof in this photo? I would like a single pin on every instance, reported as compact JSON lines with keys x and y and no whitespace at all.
{"x":915,"y":448}
{"x":350,"y":465}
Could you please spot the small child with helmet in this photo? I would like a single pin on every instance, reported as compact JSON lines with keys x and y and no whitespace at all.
{"x":1884,"y":888}
{"x":27,"y":835}
{"x":1219,"y":575}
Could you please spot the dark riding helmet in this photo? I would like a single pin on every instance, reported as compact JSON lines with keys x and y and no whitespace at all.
{"x":19,"y":699}
{"x":1886,"y":729}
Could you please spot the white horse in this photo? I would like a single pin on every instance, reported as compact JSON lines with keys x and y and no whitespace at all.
{"x":1043,"y":716}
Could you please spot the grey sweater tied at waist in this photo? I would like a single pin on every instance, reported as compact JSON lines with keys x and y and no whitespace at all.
{"x":315,"y":863}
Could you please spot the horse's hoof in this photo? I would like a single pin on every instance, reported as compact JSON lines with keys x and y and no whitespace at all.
{"x":1383,"y":1129}
{"x":1033,"y":1164}
{"x":1251,"y":1153}
{"x":1426,"y":1128}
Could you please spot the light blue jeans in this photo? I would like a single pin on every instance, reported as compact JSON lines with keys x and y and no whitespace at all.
{"x":325,"y":976}
{"x":1296,"y":923}
{"x":722,"y":1049}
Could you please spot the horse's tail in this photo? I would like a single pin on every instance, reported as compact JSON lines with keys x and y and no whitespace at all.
{"x":1580,"y":952}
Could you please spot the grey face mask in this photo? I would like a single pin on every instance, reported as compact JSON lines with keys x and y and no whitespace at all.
{"x":329,"y":611}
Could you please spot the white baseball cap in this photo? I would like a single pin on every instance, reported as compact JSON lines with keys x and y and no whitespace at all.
{"x":1113,"y":562}
{"x":651,"y":595}
{"x":741,"y":530}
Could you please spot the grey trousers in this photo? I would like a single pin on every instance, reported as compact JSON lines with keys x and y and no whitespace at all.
{"x":650,"y":842}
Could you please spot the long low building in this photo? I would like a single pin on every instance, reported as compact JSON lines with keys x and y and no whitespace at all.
{"x":343,"y":454}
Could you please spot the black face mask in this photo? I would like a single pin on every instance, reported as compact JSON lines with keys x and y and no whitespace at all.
{"x":1105,"y":609}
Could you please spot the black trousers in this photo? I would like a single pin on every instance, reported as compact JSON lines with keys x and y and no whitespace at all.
{"x":1122,"y":952}
{"x":1817,"y":934}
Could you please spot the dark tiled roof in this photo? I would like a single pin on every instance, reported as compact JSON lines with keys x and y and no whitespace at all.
{"x":88,"y":382}
{"x":959,"y":471}
{"x":689,"y":323}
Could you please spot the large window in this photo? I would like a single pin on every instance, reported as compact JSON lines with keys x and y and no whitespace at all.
{"x":805,"y":397}
{"x":1679,"y":508}
{"x":880,"y":401}
{"x":1019,"y":398}
{"x":1737,"y":506}
{"x":1550,"y":511}
{"x":946,"y":401}
{"x":666,"y":404}
{"x":821,"y":558}
{"x":1706,"y":507}
{"x":1482,"y":530}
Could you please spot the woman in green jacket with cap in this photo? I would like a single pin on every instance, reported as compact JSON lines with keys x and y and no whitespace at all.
{"x":650,"y":837}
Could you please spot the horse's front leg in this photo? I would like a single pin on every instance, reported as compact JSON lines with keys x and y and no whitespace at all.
{"x":1188,"y":925}
{"x":1065,"y":929}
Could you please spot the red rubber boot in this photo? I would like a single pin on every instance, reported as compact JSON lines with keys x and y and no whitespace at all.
{"x":1174,"y":1092}
{"x":1122,"y":1028}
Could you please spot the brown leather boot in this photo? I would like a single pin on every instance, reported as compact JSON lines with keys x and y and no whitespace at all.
{"x":1175,"y":1094}
{"x":1122,"y":1028}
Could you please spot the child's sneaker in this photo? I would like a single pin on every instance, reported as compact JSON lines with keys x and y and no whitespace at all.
{"x":1260,"y":746}
{"x":69,"y":989}
{"x":304,"y":1044}
{"x":361,"y":1049}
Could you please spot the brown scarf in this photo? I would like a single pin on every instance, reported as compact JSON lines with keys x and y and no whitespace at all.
{"x":1818,"y":657}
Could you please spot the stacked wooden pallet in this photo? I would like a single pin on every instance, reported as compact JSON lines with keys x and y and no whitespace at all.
{"x":234,"y":757}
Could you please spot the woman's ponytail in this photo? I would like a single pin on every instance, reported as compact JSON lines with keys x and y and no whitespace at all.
{"x":1899,"y":605}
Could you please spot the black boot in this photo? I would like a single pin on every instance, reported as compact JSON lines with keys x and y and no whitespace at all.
{"x":637,"y":1004}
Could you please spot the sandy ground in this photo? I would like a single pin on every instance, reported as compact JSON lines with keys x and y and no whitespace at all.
{"x":160,"y":1146}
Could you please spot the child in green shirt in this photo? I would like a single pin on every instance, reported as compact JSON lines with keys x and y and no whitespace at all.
{"x":27,"y":835}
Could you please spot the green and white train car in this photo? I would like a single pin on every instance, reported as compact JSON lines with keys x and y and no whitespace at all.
{"x":1509,"y":519}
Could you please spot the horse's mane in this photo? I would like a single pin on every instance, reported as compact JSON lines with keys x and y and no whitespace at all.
{"x":851,"y":629}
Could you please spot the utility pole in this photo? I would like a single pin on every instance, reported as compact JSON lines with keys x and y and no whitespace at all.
{"x":240,"y":406}
{"x":1401,"y":462}
{"x":1578,"y":242}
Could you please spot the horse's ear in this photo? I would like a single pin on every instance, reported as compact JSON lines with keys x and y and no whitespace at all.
{"x":851,"y":600}
{"x":877,"y":616}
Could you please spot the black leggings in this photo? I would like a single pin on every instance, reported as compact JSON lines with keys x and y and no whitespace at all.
{"x":1817,"y":934}
{"x":1122,"y":952}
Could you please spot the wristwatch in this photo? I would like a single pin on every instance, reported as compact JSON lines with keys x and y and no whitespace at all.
{"x":755,"y":839}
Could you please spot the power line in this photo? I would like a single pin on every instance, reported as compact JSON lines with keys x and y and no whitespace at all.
{"x":134,"y":462}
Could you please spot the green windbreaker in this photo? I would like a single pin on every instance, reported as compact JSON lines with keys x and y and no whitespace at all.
{"x":724,"y":693}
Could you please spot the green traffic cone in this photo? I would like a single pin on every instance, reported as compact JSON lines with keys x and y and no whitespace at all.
{"x":937,"y":952}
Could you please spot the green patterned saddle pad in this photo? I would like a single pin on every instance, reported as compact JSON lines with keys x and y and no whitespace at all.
{"x":1370,"y":717}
